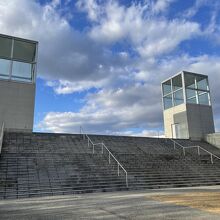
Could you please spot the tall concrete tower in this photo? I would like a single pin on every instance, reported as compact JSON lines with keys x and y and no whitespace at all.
{"x":187,"y":106}
{"x":18,"y":62}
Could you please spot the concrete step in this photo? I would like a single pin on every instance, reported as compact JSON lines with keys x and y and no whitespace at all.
{"x":52,"y":164}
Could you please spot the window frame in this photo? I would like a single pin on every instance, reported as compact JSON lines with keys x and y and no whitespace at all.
{"x":11,"y":59}
{"x":197,"y":89}
{"x":173,"y":91}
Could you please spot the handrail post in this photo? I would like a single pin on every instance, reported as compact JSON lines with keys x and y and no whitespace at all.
{"x":211,"y":158}
{"x":109,"y":161}
{"x":81,"y":133}
{"x":102,"y":148}
{"x":88,"y":142}
{"x":93,"y":149}
{"x":118,"y":169}
{"x":184,"y":151}
{"x":198,"y":150}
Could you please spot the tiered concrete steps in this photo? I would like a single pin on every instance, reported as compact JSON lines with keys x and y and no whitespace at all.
{"x":54,"y":164}
{"x":153,"y":163}
{"x":50,"y":164}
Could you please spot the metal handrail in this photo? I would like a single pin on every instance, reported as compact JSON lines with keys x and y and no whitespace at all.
{"x":1,"y":136}
{"x":89,"y":141}
{"x":199,"y":148}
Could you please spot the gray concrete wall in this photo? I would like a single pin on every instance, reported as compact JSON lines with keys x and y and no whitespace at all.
{"x":181,"y":120}
{"x":200,"y":121}
{"x":195,"y":121}
{"x":173,"y":115}
{"x":17,"y":105}
{"x":213,"y":139}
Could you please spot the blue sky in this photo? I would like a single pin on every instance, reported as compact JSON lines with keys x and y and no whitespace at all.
{"x":101,"y":62}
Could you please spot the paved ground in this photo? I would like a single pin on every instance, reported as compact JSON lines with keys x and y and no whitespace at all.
{"x":185,"y":203}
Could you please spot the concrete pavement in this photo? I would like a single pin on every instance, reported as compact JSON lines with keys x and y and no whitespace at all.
{"x":148,"y":204}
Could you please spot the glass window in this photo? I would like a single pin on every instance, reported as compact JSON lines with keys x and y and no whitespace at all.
{"x":24,"y":51}
{"x":177,"y":82}
{"x":203,"y":98}
{"x":190,"y":93}
{"x":168,"y":101}
{"x":167,"y":87}
{"x":202,"y":83}
{"x":4,"y":68}
{"x":196,"y":87}
{"x":21,"y":71}
{"x":190,"y":80}
{"x":178,"y":97}
{"x":5,"y":45}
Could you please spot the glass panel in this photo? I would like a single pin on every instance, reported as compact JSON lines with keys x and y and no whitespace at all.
{"x":203,"y":98}
{"x":24,"y":51}
{"x":5,"y":45}
{"x":177,"y":82}
{"x":167,"y":101}
{"x":190,"y":93}
{"x":202,"y":83}
{"x":178,"y":97}
{"x":192,"y":100}
{"x":21,"y":71}
{"x":4,"y":68}
{"x":190,"y":80}
{"x":167,"y":87}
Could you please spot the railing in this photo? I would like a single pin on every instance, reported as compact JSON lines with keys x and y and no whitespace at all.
{"x":175,"y":144}
{"x":1,"y":136}
{"x":110,"y":155}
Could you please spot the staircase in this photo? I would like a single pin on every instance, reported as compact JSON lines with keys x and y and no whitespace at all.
{"x":153,"y":163}
{"x":40,"y":164}
{"x":51,"y":164}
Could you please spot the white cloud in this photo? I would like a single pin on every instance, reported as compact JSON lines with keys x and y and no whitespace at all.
{"x":134,"y":106}
{"x":190,"y":12}
{"x":173,"y":33}
{"x":128,"y":80}
{"x":94,"y":10}
{"x":148,"y":35}
{"x":75,"y":61}
{"x":67,"y":87}
{"x":161,"y":5}
{"x":111,"y":110}
{"x":65,"y":55}
{"x":217,"y":125}
{"x":144,"y":133}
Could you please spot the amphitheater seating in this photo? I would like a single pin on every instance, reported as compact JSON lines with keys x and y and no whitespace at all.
{"x":43,"y":165}
{"x":153,"y":163}
{"x":40,"y":164}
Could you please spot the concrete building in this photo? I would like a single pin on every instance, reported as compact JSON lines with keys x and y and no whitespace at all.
{"x":187,"y":106}
{"x":18,"y":62}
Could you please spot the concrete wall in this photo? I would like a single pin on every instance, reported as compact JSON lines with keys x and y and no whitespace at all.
{"x":213,"y":139}
{"x":194,"y":121}
{"x":181,"y":119}
{"x":17,"y":105}
{"x":173,"y":115}
{"x":200,"y":121}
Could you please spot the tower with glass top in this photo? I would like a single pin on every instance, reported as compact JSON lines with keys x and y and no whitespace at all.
{"x":187,"y":108}
{"x":18,"y":62}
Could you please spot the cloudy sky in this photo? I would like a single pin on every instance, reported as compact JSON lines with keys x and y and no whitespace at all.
{"x":101,"y":62}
